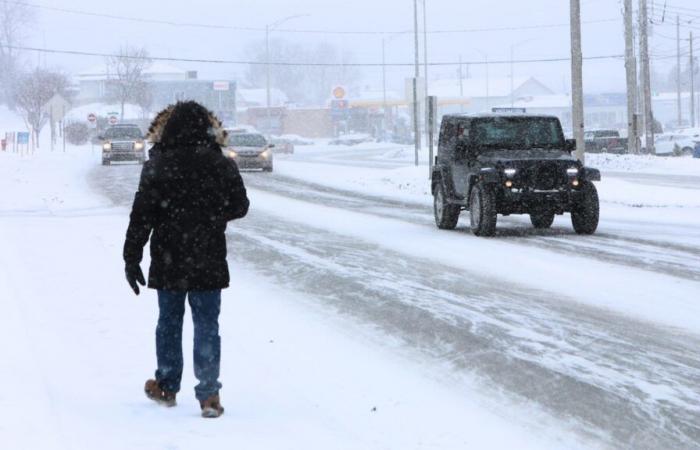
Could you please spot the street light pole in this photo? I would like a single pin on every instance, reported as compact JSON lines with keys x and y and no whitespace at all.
{"x":416,"y":112}
{"x":269,"y":28}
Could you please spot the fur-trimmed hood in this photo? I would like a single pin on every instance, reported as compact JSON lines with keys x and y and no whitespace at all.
{"x":188,"y":127}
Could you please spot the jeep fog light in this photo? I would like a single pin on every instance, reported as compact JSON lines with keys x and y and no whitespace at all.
{"x":575,"y":183}
{"x":509,"y":184}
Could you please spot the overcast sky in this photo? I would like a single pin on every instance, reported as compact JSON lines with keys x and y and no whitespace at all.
{"x":61,"y":30}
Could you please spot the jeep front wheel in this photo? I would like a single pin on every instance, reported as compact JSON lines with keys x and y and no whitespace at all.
{"x":542,"y":220}
{"x":586,"y":211}
{"x":482,"y":209}
{"x":446,"y":214}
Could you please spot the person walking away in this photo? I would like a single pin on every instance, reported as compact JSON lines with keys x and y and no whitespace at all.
{"x":187,"y":194}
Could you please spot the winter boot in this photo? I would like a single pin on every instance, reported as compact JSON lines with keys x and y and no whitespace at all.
{"x":158,"y":395}
{"x":211,"y":407}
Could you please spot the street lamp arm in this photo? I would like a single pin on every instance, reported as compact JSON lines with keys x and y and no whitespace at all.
{"x":286,"y":19}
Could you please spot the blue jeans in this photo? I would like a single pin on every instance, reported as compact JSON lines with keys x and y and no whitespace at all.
{"x":205,"y":307}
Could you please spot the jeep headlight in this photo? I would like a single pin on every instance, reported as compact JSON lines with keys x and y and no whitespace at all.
{"x":510,"y":173}
{"x":572,"y":171}
{"x":107,"y":146}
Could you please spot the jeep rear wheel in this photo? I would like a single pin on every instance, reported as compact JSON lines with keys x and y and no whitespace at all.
{"x":482,"y":210}
{"x":446,"y":214}
{"x":542,"y":220}
{"x":586,"y":211}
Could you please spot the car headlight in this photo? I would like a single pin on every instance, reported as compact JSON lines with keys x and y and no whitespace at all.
{"x":138,"y":146}
{"x":510,"y":172}
{"x":231,"y":154}
{"x":266,"y":154}
{"x":107,"y":146}
{"x":572,"y":171}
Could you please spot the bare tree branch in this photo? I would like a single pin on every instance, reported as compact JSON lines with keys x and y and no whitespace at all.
{"x":126,"y":73}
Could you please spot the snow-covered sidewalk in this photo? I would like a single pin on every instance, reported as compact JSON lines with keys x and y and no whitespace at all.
{"x":77,"y":347}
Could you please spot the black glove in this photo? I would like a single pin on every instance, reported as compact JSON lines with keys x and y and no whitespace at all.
{"x":134,"y":274}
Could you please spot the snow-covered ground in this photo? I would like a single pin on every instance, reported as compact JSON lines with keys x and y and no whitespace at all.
{"x":353,"y":322}
{"x":78,"y":346}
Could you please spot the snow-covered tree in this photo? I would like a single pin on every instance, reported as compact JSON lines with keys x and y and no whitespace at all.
{"x":127,"y":78}
{"x":15,"y":18}
{"x":32,"y":92}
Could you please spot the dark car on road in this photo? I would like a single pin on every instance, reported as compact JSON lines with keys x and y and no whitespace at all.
{"x":123,"y":143}
{"x":250,"y":151}
{"x":510,"y":164}
{"x":605,"y":141}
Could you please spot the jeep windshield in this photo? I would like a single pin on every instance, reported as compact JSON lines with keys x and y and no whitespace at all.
{"x":128,"y":133}
{"x":247,"y":140}
{"x":517,"y":133}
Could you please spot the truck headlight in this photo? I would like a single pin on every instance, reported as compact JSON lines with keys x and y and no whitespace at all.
{"x":138,"y":146}
{"x":510,"y":172}
{"x":572,"y":171}
{"x":266,"y":154}
{"x":107,"y":146}
{"x":231,"y":154}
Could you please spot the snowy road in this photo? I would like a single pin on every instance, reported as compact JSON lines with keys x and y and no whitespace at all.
{"x":623,"y":381}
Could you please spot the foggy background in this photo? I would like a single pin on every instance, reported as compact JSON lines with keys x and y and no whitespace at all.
{"x":538,"y":30}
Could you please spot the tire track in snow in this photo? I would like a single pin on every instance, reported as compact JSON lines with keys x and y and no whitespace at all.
{"x":628,"y":384}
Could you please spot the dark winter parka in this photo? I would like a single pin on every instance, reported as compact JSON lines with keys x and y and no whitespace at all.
{"x":188,"y":192}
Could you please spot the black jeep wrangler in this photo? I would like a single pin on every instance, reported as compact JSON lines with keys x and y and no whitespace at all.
{"x":510,"y":164}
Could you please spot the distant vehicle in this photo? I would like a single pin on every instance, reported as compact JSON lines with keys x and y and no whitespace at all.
{"x":250,"y":151}
{"x":296,"y":139}
{"x":123,"y":142}
{"x":510,"y":164}
{"x":605,"y":141}
{"x":351,"y":139}
{"x":242,"y":129}
{"x":696,"y":152}
{"x":674,"y":145}
{"x":282,"y":145}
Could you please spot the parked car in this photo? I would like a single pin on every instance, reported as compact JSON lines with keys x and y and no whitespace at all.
{"x":510,"y":164}
{"x":124,"y":142}
{"x":605,"y":141}
{"x":674,"y":145}
{"x":250,"y":151}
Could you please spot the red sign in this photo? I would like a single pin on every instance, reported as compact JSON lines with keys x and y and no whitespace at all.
{"x":92,"y":118}
{"x":113,"y":120}
{"x":339,"y":92}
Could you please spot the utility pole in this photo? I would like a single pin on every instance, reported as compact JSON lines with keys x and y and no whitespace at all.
{"x":461,"y":86}
{"x":384,"y":75}
{"x":425,"y":62}
{"x":692,"y":83}
{"x":646,"y":76}
{"x":631,"y":69}
{"x":679,"y":105}
{"x":512,"y":86}
{"x":267,"y":79}
{"x":577,"y":79}
{"x":416,"y":112}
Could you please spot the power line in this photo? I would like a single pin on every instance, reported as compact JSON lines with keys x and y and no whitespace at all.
{"x":302,"y":64}
{"x":290,"y":30}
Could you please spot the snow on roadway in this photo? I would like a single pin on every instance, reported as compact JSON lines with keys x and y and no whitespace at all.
{"x":78,"y":347}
